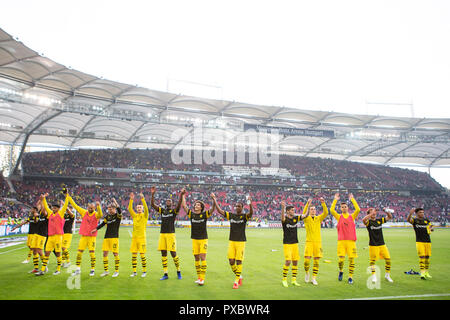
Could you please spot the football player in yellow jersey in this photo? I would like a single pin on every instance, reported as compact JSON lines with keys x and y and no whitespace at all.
{"x":139,"y":237}
{"x":313,"y":247}
{"x":346,"y":228}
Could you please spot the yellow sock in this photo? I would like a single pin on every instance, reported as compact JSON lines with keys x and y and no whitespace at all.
{"x":238,"y":272}
{"x":164,"y":263}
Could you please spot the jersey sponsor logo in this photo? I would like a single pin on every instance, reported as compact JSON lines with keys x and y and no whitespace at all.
{"x":198,"y":221}
{"x":375,"y":228}
{"x":291,"y":225}
{"x":167,"y":215}
{"x":236,"y":221}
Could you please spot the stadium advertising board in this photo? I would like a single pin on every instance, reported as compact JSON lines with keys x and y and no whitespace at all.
{"x":289,"y":131}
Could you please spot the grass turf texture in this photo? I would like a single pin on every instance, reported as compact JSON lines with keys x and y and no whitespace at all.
{"x":262,"y":270}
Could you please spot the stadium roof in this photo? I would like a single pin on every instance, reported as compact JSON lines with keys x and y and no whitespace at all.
{"x":44,"y":102}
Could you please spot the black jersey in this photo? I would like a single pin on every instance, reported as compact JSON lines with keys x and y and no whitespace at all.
{"x":290,"y":229}
{"x":32,"y":220}
{"x":42,"y":225}
{"x":198,"y":224}
{"x":375,"y":229}
{"x":238,"y":222}
{"x":168,"y":217}
{"x":422,"y":229}
{"x":68,"y":223}
{"x":112,"y":223}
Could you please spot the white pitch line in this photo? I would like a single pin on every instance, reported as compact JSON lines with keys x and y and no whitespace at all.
{"x":402,"y":297}
{"x":129,"y":232}
{"x":12,"y":250}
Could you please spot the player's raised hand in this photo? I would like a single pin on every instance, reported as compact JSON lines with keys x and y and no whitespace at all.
{"x":97,"y":203}
{"x":213,"y":196}
{"x":322,"y":200}
{"x":141,"y":195}
{"x":310,"y":200}
{"x":283,"y":203}
{"x":350,"y":196}
{"x":412,"y":210}
{"x":336,"y":196}
{"x":153,"y":189}
{"x":249,"y":198}
{"x":132,"y":196}
{"x":183,"y":191}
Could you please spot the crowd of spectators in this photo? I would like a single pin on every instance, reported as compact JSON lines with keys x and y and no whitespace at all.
{"x":305,"y":171}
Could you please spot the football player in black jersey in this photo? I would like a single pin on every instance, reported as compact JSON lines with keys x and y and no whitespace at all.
{"x":199,"y":235}
{"x":32,"y":220}
{"x":69,"y":218}
{"x":167,"y":240}
{"x":422,"y":227}
{"x":289,"y":223}
{"x":111,"y":240}
{"x":377,"y":247}
{"x":237,"y":238}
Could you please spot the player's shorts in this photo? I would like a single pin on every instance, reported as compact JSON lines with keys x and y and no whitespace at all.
{"x":87,"y":242}
{"x":236,"y":250}
{"x":54,"y":242}
{"x":138,"y":245}
{"x":313,"y":249}
{"x":167,"y":242}
{"x":423,"y":249}
{"x":346,"y":247}
{"x":111,"y":244}
{"x":199,"y":246}
{"x":38,"y":242}
{"x":30,"y":239}
{"x":67,"y":240}
{"x":291,"y":252}
{"x":379,"y":252}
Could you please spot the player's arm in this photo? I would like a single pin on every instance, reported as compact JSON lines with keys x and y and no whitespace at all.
{"x":355,"y":204}
{"x":305,"y":212}
{"x":80,"y":210}
{"x":45,"y":204}
{"x":19,"y":225}
{"x":250,"y":210}
{"x":180,"y":201}
{"x":130,"y":206}
{"x":152,"y":202}
{"x":62,"y":211}
{"x":218,"y":208}
{"x":333,"y":206}
{"x":71,"y":214}
{"x":144,"y":203}
{"x":99,"y":212}
{"x":324,"y":209}
{"x":409,"y":217}
{"x":365,"y":220}
{"x":101,"y":225}
{"x":388,"y":214}
{"x":283,"y":211}
{"x":183,"y":204}
{"x":119,"y":211}
{"x":211,"y":211}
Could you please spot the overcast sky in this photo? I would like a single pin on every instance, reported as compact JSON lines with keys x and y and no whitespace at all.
{"x":329,"y":55}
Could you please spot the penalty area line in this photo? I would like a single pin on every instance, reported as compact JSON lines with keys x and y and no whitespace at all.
{"x":403,"y":297}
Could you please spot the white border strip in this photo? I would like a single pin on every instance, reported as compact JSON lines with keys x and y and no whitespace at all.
{"x":402,"y":297}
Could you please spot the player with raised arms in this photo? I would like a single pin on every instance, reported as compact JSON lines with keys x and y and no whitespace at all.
{"x":346,"y":228}
{"x":89,"y":221}
{"x":237,"y":238}
{"x":289,"y":223}
{"x":199,"y":235}
{"x":139,"y":235}
{"x":422,"y":227}
{"x":313,"y":246}
{"x":167,"y":239}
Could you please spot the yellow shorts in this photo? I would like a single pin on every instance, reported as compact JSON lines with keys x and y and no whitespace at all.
{"x":346,"y":247}
{"x":313,"y":249}
{"x":54,"y":243}
{"x":87,"y":242}
{"x":167,"y":242}
{"x":38,"y":242}
{"x":379,"y":252}
{"x":199,"y":246}
{"x":111,"y":244}
{"x":291,"y":252}
{"x":67,"y":240}
{"x":236,"y":250}
{"x":138,"y":245}
{"x":423,"y":249}
{"x":30,"y":240}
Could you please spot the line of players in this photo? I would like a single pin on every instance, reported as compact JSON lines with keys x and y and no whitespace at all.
{"x":51,"y":229}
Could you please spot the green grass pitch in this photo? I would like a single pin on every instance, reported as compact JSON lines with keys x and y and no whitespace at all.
{"x":262,"y":270}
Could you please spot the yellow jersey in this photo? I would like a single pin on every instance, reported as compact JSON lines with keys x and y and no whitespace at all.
{"x":139,"y":220}
{"x":313,"y":224}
